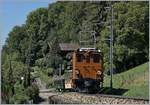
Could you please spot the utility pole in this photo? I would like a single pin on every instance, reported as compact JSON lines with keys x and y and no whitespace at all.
{"x":110,"y":8}
{"x":111,"y":47}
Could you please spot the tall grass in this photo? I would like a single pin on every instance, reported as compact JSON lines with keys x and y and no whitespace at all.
{"x":135,"y":80}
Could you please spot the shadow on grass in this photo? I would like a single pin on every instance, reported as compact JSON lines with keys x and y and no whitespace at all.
{"x":114,"y":91}
{"x":39,"y":100}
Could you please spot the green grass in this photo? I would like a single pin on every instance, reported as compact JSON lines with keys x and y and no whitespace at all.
{"x":135,"y":81}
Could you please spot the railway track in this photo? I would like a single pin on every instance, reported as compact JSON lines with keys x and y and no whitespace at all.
{"x":73,"y":97}
{"x":84,"y":98}
{"x":118,"y":99}
{"x":122,"y":97}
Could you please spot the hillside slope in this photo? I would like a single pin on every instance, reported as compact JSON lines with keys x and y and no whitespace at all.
{"x":134,"y":82}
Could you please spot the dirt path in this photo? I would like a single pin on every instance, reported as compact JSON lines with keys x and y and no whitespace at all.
{"x":45,"y":96}
{"x":44,"y":93}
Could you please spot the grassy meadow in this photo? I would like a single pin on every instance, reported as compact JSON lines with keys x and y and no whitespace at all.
{"x":134,"y":82}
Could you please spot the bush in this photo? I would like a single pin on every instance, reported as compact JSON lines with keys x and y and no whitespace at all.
{"x":48,"y":71}
{"x":19,"y":98}
{"x":40,"y":62}
{"x":33,"y":92}
{"x":49,"y":84}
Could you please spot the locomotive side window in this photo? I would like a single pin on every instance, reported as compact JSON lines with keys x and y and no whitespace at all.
{"x":96,"y":58}
{"x":80,"y":57}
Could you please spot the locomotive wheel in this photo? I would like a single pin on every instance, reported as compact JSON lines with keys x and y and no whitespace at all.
{"x":77,"y":89}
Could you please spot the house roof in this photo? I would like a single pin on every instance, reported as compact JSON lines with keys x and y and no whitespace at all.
{"x":68,"y":46}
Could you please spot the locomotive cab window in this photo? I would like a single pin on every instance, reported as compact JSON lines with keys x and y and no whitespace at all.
{"x":96,"y":58}
{"x":88,"y":59}
{"x":80,"y":57}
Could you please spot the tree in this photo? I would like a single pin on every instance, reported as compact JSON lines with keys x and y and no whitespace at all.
{"x":130,"y":32}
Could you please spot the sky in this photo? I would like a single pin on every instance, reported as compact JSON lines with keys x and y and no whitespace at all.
{"x":14,"y":12}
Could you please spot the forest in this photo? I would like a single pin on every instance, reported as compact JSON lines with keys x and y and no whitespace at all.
{"x":35,"y":43}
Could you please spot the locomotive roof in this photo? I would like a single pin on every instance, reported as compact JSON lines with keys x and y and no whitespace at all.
{"x":68,"y":46}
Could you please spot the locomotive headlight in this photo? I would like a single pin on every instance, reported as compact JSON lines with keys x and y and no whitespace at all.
{"x":77,"y":72}
{"x":99,"y":72}
{"x":99,"y":50}
{"x":80,"y":49}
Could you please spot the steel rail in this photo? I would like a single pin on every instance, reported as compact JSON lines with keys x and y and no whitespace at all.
{"x":113,"y":96}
